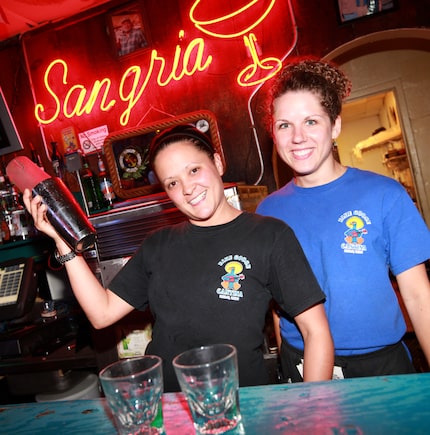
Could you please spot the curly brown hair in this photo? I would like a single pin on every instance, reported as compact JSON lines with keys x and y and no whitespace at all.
{"x":322,"y":78}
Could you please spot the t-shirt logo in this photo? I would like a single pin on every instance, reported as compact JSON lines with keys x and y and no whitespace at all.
{"x":230,"y":280}
{"x":356,"y":230}
{"x":234,"y":274}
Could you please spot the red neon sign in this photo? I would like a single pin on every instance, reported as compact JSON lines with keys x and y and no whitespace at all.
{"x":77,"y":99}
{"x":239,"y":23}
{"x":228,"y":26}
{"x":193,"y":60}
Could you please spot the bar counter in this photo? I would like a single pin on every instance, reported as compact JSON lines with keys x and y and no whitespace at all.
{"x":378,"y":405}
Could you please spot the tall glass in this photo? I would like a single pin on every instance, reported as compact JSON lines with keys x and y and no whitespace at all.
{"x":208,"y":376}
{"x":133,"y":388}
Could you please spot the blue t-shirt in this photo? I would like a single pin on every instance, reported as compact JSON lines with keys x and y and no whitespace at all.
{"x":353,"y":231}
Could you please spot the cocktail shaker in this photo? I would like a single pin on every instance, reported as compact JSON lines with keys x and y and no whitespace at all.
{"x":63,"y":211}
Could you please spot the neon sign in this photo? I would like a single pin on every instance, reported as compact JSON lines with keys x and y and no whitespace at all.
{"x":219,"y":23}
{"x":270,"y":64}
{"x":77,"y":100}
{"x":227,"y":26}
{"x":131,"y":77}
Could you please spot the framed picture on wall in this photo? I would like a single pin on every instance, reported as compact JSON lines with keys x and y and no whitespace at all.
{"x":349,"y":10}
{"x":128,"y":29}
{"x":127,"y":152}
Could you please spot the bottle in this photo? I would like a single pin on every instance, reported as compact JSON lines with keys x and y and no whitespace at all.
{"x":57,"y":162}
{"x":20,"y":218}
{"x":4,"y":230}
{"x":4,"y":214}
{"x":7,"y":206}
{"x":91,"y":186}
{"x":35,"y":156}
{"x":4,"y":188}
{"x":105,"y":183}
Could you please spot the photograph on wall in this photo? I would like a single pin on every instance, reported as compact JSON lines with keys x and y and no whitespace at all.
{"x":127,"y":152}
{"x":128,"y":30}
{"x":354,"y":9}
{"x":132,"y":161}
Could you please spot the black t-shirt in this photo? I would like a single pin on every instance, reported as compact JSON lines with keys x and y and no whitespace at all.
{"x":207,"y":285}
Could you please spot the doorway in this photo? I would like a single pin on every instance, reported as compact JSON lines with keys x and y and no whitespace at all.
{"x":396,"y":60}
{"x":372,"y":138}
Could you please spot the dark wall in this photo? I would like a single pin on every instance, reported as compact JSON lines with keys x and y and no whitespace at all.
{"x":85,"y":44}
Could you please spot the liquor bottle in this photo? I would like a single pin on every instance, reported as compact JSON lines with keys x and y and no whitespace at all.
{"x":56,"y":160}
{"x":35,"y":156}
{"x":105,"y":183}
{"x":91,"y":186}
{"x":5,"y":218}
{"x":4,"y":188}
{"x":4,"y":229}
{"x":20,"y":218}
{"x":7,"y":206}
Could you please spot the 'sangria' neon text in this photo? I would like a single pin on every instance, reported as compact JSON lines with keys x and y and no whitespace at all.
{"x":77,"y":100}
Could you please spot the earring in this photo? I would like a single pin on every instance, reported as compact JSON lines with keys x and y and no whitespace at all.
{"x":335,"y":151}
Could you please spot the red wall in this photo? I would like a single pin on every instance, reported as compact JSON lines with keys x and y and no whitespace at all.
{"x":86,"y":47}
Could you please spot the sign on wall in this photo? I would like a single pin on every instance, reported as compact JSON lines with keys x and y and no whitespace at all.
{"x":217,"y":45}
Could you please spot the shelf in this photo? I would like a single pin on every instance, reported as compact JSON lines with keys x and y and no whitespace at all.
{"x":377,"y":140}
{"x":397,"y":163}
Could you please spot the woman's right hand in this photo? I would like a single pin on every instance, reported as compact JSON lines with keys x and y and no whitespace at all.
{"x":38,"y":209}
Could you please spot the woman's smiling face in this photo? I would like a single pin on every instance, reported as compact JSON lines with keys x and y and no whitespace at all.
{"x":192,"y":180}
{"x":304,"y":134}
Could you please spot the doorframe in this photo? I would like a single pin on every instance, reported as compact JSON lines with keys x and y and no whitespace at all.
{"x":397,"y":39}
{"x":404,"y":121}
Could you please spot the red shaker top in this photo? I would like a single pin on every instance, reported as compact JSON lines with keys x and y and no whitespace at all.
{"x":24,"y":173}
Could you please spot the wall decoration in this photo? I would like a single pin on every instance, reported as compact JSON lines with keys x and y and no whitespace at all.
{"x":92,"y":140}
{"x":349,"y":10}
{"x":70,"y":141}
{"x":128,"y":30}
{"x":127,"y":152}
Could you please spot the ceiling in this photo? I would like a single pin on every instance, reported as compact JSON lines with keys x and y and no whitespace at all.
{"x":19,"y":16}
{"x":370,"y":105}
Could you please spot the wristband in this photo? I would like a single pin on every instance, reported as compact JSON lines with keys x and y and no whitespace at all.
{"x":64,"y":258}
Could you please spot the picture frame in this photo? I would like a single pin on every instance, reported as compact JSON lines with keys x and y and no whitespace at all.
{"x":352,"y":10}
{"x":129,"y":30}
{"x":127,"y":152}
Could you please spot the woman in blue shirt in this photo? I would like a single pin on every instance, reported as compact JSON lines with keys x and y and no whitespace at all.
{"x":354,"y":226}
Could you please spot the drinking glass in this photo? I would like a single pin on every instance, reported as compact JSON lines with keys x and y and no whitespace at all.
{"x":208,"y":376}
{"x":133,"y":388}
